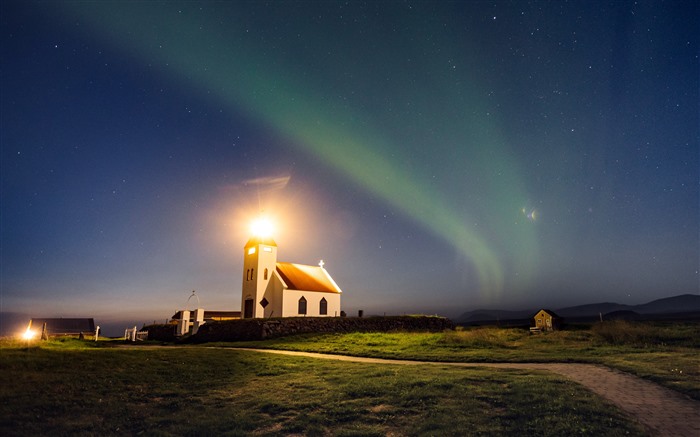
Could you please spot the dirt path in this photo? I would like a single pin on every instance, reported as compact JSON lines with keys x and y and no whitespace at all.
{"x":663,"y":411}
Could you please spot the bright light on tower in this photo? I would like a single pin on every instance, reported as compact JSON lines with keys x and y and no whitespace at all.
{"x":262,"y":227}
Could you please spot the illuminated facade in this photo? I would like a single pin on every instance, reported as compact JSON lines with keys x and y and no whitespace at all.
{"x":275,"y":289}
{"x":546,"y":320}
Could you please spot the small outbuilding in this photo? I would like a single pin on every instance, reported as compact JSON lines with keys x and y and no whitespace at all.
{"x":546,"y":320}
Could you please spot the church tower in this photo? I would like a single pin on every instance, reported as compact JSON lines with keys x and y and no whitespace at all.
{"x":259,"y":263}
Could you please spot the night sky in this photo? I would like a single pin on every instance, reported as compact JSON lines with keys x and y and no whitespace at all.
{"x":438,"y":156}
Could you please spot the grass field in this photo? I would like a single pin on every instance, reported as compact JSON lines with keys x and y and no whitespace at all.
{"x":99,"y":388}
{"x":88,"y":388}
{"x":667,"y":353}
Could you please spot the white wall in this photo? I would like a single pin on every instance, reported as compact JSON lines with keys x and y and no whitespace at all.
{"x":290,"y":303}
{"x":273,"y":294}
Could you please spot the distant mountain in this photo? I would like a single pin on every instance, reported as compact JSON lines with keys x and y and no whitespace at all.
{"x":593,"y":309}
{"x":622,"y":315}
{"x":685,"y":303}
{"x":488,"y":315}
{"x":677,"y":304}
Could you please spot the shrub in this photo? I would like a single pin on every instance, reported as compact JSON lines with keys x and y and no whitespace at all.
{"x":161,"y":332}
{"x":482,"y":337}
{"x":621,"y":332}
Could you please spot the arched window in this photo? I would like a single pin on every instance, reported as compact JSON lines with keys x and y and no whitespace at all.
{"x":323,"y":308}
{"x":252,"y":274}
{"x":247,"y":275}
{"x":266,"y":274}
{"x":302,"y":305}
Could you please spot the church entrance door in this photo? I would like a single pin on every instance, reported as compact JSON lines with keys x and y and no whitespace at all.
{"x":248,"y":310}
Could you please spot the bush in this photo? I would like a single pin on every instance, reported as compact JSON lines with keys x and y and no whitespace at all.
{"x":629,"y":333}
{"x":162,"y":332}
{"x":483,"y":337}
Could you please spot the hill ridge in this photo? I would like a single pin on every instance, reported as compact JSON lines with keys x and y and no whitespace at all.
{"x":675,"y":304}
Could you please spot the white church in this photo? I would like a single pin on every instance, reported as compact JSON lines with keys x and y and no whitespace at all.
{"x":277,"y":289}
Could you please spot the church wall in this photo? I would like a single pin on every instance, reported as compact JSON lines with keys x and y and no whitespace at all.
{"x":273,"y":294}
{"x":313,"y":300}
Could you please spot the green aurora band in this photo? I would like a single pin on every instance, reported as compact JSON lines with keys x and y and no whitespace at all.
{"x":223,"y":62}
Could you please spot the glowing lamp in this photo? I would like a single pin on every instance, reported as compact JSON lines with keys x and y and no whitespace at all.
{"x":28,"y":334}
{"x":262,"y":227}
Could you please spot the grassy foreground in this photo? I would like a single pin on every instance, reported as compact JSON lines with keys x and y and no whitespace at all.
{"x":83,"y":388}
{"x":667,"y":353}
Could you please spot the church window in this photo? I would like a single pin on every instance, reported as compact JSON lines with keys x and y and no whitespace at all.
{"x":323,"y":310}
{"x":267,"y":249}
{"x":265,"y":273}
{"x":247,"y":275}
{"x":251,"y":251}
{"x":252,"y":274}
{"x":302,"y":305}
{"x":264,"y":302}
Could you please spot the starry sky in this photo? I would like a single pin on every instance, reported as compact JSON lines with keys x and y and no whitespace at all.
{"x":438,"y":156}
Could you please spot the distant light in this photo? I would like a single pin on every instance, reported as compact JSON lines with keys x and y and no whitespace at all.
{"x":531,"y":214}
{"x":28,"y":334}
{"x":262,"y":227}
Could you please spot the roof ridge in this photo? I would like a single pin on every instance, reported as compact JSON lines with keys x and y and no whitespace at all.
{"x":305,"y":277}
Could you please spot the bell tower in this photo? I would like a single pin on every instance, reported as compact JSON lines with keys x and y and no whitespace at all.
{"x":259,"y":262}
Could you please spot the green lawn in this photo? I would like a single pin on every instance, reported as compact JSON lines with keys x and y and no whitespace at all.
{"x":666,"y":353}
{"x":83,"y":388}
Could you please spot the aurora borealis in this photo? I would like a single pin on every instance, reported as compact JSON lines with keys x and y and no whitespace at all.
{"x":439,"y":156}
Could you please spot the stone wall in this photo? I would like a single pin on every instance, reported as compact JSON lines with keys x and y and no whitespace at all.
{"x":260,"y":329}
{"x":161,"y":332}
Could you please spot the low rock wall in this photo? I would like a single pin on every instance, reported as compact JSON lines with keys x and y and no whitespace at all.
{"x":260,"y":329}
{"x":161,"y":332}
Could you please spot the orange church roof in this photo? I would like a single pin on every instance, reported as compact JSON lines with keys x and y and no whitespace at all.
{"x":307,"y":278}
{"x":254,"y":241}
